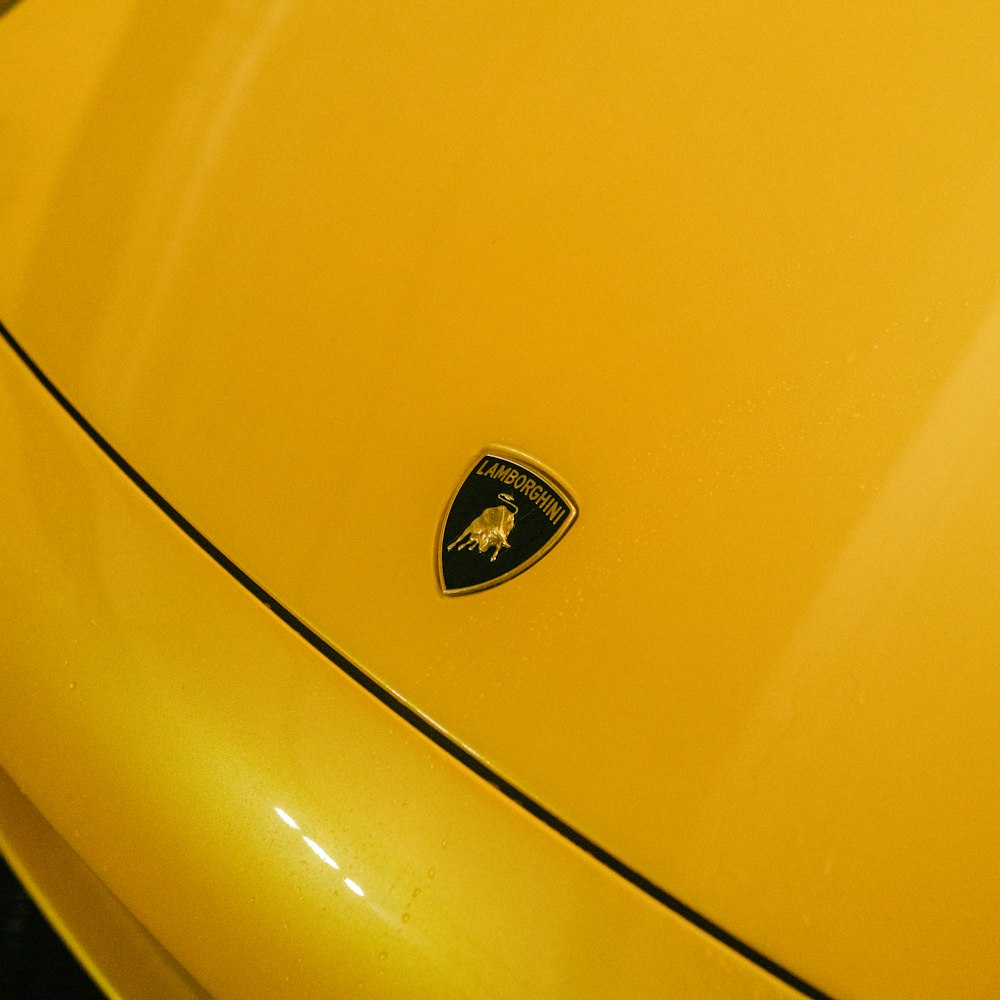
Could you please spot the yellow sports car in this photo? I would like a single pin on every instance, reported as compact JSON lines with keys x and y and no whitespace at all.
{"x":501,"y":500}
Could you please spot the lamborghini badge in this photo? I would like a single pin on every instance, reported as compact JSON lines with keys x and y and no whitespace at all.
{"x":507,"y":514}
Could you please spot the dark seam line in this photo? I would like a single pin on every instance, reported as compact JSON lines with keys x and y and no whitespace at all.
{"x":405,"y":712}
{"x":6,"y":6}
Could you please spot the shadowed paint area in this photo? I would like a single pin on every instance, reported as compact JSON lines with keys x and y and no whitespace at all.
{"x":34,"y":963}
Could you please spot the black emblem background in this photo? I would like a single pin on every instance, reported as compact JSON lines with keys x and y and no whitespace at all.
{"x":531,"y":532}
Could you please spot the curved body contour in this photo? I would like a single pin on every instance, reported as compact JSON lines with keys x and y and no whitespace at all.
{"x":740,"y":266}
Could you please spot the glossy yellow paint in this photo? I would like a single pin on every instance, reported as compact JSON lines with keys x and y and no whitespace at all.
{"x":118,"y":952}
{"x":731,"y":270}
{"x":273,"y":827}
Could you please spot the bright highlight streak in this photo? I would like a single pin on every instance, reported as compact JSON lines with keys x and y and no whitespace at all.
{"x":353,"y":886}
{"x":320,"y":853}
{"x":285,"y":818}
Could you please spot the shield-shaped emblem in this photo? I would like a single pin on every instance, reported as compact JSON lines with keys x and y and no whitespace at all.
{"x":508,"y":512}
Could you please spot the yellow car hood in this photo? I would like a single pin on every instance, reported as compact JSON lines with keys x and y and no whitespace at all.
{"x":730,"y":271}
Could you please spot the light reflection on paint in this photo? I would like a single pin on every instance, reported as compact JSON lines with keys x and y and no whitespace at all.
{"x":320,"y":853}
{"x":285,"y":818}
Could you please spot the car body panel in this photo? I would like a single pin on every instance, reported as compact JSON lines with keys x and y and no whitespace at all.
{"x":731,"y":272}
{"x":271,"y":825}
{"x":116,"y":950}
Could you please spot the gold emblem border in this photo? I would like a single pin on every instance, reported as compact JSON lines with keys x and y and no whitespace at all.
{"x":526,"y":462}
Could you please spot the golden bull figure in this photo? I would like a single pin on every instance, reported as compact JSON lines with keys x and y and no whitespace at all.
{"x":490,"y":529}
